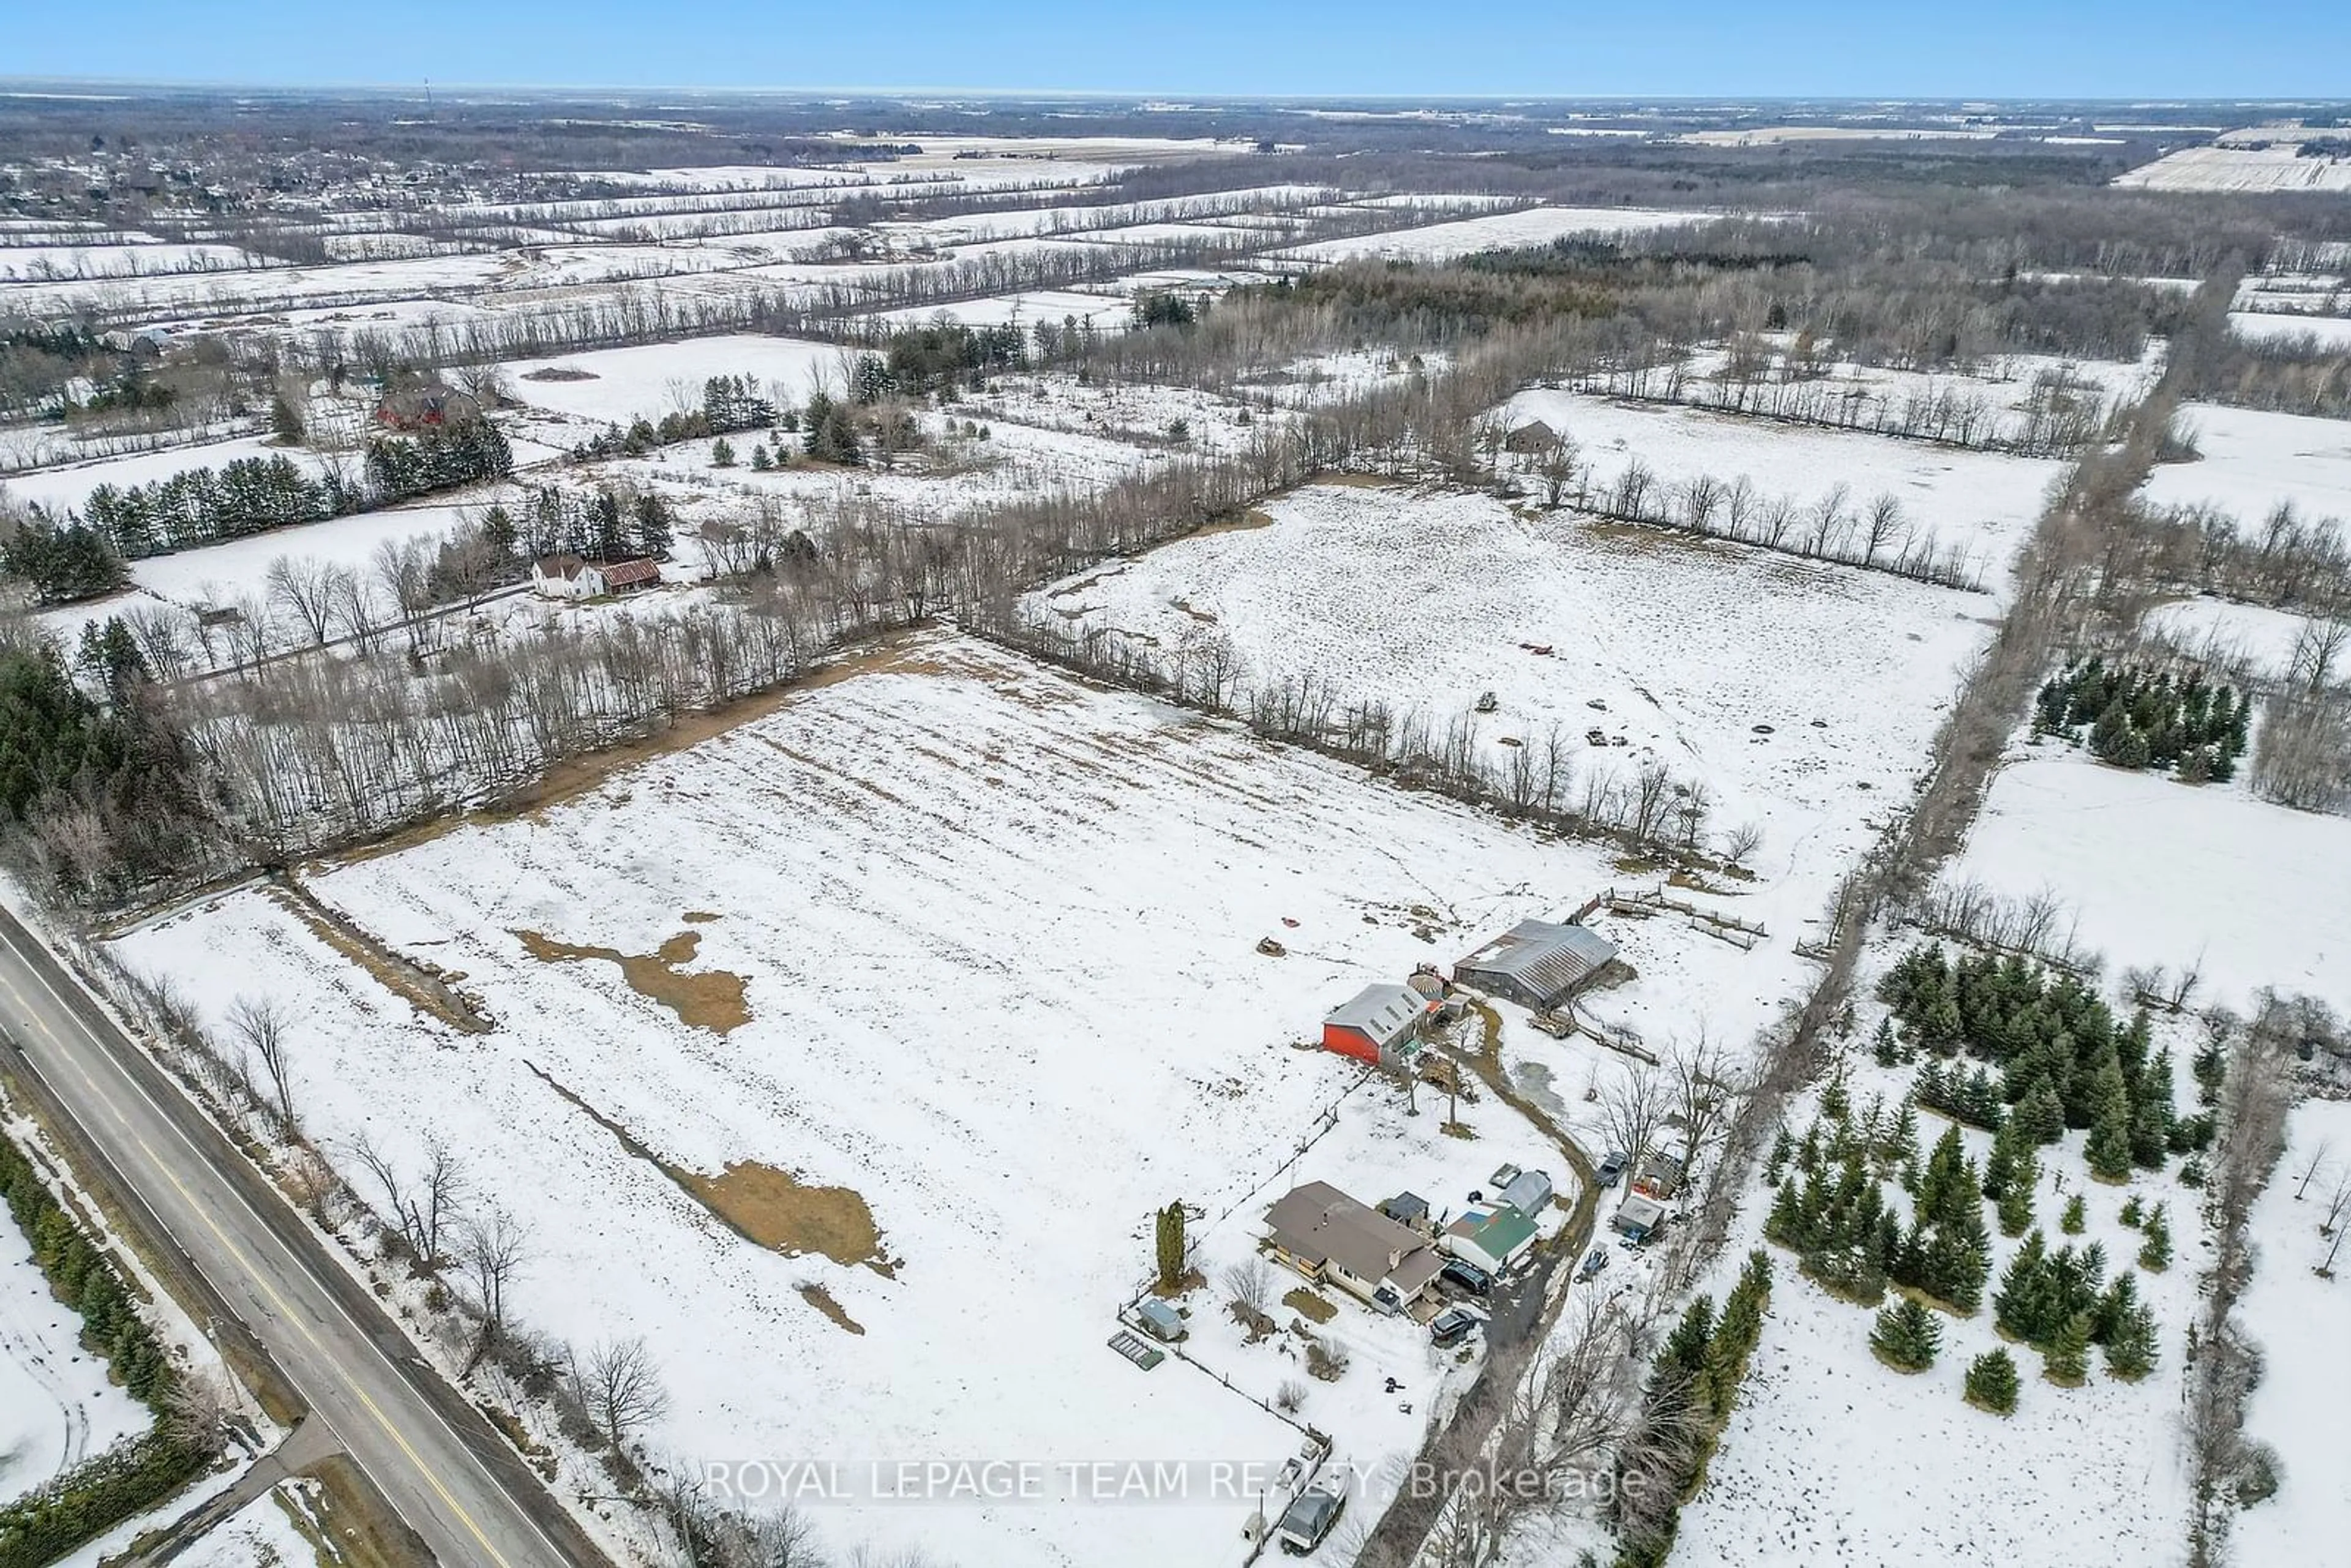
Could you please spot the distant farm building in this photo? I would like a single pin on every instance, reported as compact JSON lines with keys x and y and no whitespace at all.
{"x":424,"y":404}
{"x":1528,"y":1192}
{"x":1537,"y":962}
{"x":574,"y":577}
{"x":1332,"y":1239}
{"x":1532,"y":438}
{"x":1638,"y":1218}
{"x":1380,"y":1024}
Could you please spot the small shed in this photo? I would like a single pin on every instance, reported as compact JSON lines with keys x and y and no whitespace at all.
{"x":1537,"y":962}
{"x":626,"y":576}
{"x":1528,"y":1192}
{"x":1638,"y":1218}
{"x":1160,"y":1320}
{"x":1492,"y":1241}
{"x":1658,"y":1175}
{"x":1379,"y":1024}
{"x":1407,"y":1208}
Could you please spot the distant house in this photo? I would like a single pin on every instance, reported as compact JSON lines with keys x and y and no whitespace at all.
{"x":1638,"y":1218}
{"x":575,"y":577}
{"x":426,"y":404}
{"x":1493,"y":1241}
{"x":1532,"y":438}
{"x":1380,"y":1024}
{"x":1332,"y":1239}
{"x":1537,"y":962}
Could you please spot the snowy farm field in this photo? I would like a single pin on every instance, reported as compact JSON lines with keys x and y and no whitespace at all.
{"x":2154,"y":871}
{"x":2255,"y":461}
{"x":1976,"y":508}
{"x":1531,"y":226}
{"x":1833,"y":1458}
{"x":1732,"y":666}
{"x":2301,"y":1321}
{"x":2227,"y":634}
{"x":845,"y":1056}
{"x":616,"y":385}
{"x":58,"y":1404}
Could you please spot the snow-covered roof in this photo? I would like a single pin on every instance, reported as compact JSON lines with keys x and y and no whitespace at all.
{"x":1383,"y":1012}
{"x":1548,"y":959}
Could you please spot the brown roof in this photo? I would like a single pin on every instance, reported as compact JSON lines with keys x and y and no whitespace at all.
{"x":628,"y":573}
{"x":566,"y":566}
{"x":1319,"y":1223}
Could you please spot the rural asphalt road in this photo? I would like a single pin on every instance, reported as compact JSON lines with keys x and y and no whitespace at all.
{"x":448,"y":1474}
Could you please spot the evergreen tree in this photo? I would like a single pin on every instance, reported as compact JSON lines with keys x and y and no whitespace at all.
{"x":2019,"y":1305}
{"x":2132,"y":1213}
{"x":285,"y":422}
{"x":2109,"y":1147}
{"x":2076,"y":1217}
{"x":722,"y":453}
{"x":2040,"y":1113}
{"x":1684,"y":1353}
{"x":1991,"y":1382}
{"x":2153,"y":1119}
{"x":2015,"y":1210}
{"x":2067,"y":1361}
{"x":1169,"y":1249}
{"x":2154,"y":1252}
{"x":2130,"y":1349}
{"x":1907,"y":1336}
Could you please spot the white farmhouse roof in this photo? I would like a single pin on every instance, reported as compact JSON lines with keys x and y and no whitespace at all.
{"x":1383,"y":1012}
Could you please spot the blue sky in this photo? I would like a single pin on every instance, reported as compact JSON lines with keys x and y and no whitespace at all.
{"x":1566,"y":47}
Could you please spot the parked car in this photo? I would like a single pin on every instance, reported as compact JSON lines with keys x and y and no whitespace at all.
{"x":1451,"y":1327}
{"x":1593,"y":1262}
{"x":1310,"y":1519}
{"x":1612,"y":1166}
{"x":1457,"y":1281}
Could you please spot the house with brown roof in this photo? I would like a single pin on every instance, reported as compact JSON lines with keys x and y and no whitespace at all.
{"x":1332,"y":1239}
{"x":575,"y":577}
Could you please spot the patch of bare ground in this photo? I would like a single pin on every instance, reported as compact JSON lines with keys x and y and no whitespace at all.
{"x":357,"y":1525}
{"x":420,"y":985}
{"x":821,"y":1299}
{"x":1309,"y":1305}
{"x":705,"y":998}
{"x":779,"y":1211}
{"x":560,"y":373}
{"x":766,"y":1207}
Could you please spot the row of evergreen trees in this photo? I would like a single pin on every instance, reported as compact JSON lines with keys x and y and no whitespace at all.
{"x":437,"y":457}
{"x":941,"y":359}
{"x":2141,"y":718}
{"x":61,"y":562}
{"x":2063,"y":1062}
{"x":129,"y":1478}
{"x":1692,"y":1388}
{"x":603,"y":524}
{"x":2061,"y":1304}
{"x":207,"y":506}
{"x":81,"y":555}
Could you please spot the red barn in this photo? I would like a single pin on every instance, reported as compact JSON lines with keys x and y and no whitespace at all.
{"x":1377,"y":1025}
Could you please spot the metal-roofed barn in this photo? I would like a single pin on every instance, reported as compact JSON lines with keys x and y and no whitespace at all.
{"x":1537,"y":962}
{"x":1377,"y":1025}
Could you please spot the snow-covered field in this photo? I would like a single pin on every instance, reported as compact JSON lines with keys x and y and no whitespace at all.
{"x":2301,"y":1322}
{"x":2260,"y":637}
{"x":1534,"y":225}
{"x":2334,"y":331}
{"x":63,"y":488}
{"x":1982,"y":505}
{"x":1426,"y":598}
{"x":2164,"y":872}
{"x":624,"y":384}
{"x":2254,"y":461}
{"x":58,"y":1404}
{"x":963,"y":946}
{"x":2239,"y":169}
{"x":1832,"y":1460}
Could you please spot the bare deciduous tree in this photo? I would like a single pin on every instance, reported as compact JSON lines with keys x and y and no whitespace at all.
{"x":260,"y":1024}
{"x":622,"y":1390}
{"x":492,"y":1251}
